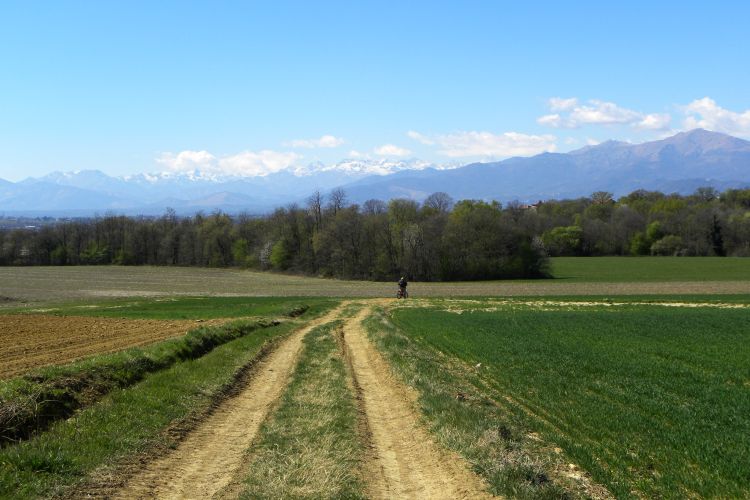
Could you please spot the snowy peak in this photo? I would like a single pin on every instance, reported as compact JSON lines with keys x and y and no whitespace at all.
{"x":360,"y":167}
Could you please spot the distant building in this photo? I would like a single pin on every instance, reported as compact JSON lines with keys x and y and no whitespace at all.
{"x":533,"y":206}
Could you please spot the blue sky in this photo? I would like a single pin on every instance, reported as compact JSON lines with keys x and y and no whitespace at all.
{"x":252,"y":88}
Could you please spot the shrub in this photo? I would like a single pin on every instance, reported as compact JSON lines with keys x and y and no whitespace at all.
{"x":668,"y":245}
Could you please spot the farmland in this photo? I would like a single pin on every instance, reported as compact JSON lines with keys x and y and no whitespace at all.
{"x":32,"y":341}
{"x":596,"y":384}
{"x":651,"y":400}
{"x":30,"y":287}
{"x":650,"y":269}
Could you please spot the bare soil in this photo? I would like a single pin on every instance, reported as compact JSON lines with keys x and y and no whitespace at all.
{"x":404,"y":461}
{"x":34,"y":286}
{"x":209,"y":458}
{"x":32,"y":341}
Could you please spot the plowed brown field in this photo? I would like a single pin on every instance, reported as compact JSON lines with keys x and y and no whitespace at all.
{"x":32,"y":341}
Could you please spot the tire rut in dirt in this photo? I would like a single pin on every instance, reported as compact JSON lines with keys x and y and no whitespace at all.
{"x":404,"y":461}
{"x":208,"y":458}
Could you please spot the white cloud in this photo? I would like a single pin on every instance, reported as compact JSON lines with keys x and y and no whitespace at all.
{"x":420,"y":138}
{"x":654,"y":121}
{"x":553,"y":120}
{"x":368,"y":166}
{"x":560,"y":104}
{"x":391,"y":150}
{"x":245,"y":164}
{"x":250,"y":164}
{"x":185,"y":161}
{"x":572,"y":114}
{"x":705,"y":113}
{"x":489,"y":145}
{"x":602,"y":113}
{"x":326,"y":141}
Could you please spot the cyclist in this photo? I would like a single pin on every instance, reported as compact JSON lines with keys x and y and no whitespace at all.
{"x":402,"y":287}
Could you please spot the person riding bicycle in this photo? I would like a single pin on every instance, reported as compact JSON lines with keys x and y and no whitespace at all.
{"x":402,"y":286}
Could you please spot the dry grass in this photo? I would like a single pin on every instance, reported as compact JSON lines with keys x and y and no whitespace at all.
{"x":310,"y":447}
{"x":32,"y":286}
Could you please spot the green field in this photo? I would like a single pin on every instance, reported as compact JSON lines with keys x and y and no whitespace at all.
{"x":651,"y":400}
{"x":649,"y":269}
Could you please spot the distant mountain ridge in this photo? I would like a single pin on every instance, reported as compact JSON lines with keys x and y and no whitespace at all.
{"x":89,"y":191}
{"x":680,"y":163}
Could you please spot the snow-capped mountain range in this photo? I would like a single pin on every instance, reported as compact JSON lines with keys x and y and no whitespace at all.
{"x":680,"y":163}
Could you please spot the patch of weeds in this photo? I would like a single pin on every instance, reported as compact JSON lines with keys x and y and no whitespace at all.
{"x":310,"y":448}
{"x":297,"y":311}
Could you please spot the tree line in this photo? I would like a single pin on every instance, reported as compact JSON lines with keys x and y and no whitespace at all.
{"x":433,"y":240}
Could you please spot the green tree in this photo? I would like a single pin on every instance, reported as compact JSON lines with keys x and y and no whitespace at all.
{"x":95,"y":254}
{"x":563,"y":241}
{"x":280,"y":257}
{"x":668,"y":245}
{"x":640,"y":244}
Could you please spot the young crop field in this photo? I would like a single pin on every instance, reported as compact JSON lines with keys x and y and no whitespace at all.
{"x":650,"y":269}
{"x":650,"y":400}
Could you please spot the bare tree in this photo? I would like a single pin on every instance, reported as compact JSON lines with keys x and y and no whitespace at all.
{"x":374,"y":207}
{"x":315,"y":206}
{"x":441,"y":202}
{"x":337,"y":200}
{"x":601,"y":198}
{"x":706,"y":194}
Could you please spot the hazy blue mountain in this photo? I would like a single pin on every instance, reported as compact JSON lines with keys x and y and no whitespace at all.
{"x":51,"y":198}
{"x":677,"y":164}
{"x":88,"y":191}
{"x":225,"y":201}
{"x":680,"y":163}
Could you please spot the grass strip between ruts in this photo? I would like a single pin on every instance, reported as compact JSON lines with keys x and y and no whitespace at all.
{"x":310,"y":447}
{"x":126,"y":422}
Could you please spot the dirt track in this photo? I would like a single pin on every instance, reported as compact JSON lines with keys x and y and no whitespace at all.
{"x":209,"y":457}
{"x":32,"y":341}
{"x":404,"y":461}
